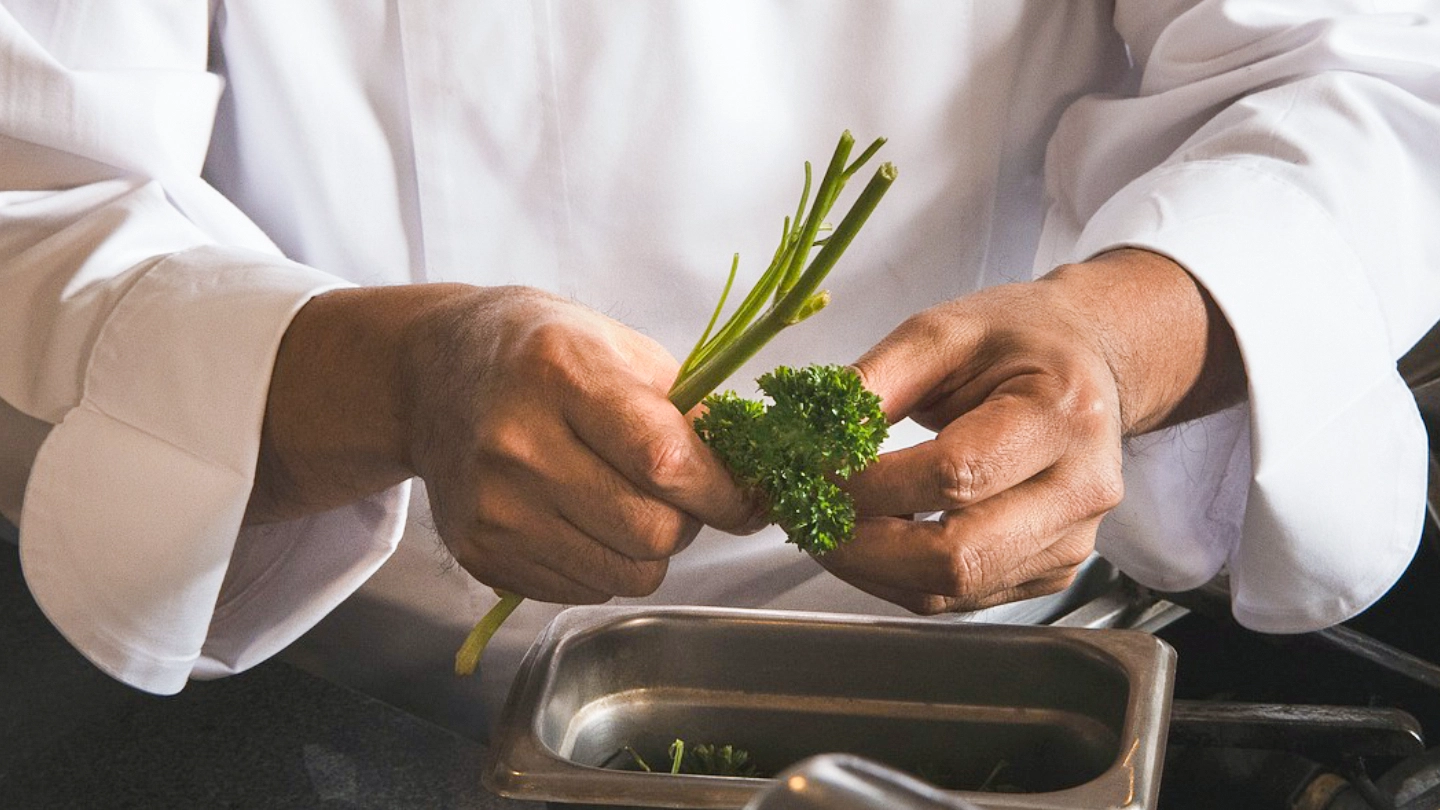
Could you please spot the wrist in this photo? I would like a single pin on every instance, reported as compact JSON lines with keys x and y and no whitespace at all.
{"x":339,"y":407}
{"x":1171,"y":351}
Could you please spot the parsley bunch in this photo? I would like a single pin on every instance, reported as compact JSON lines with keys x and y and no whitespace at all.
{"x":822,"y":425}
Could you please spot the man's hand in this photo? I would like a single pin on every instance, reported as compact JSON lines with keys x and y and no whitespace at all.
{"x":1031,"y":388}
{"x":555,"y":464}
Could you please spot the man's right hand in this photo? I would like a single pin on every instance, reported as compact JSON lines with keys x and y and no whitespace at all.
{"x":556,"y":466}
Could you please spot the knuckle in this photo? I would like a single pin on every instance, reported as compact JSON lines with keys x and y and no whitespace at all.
{"x":507,"y":440}
{"x":549,"y":342}
{"x":664,"y":460}
{"x":959,"y":480}
{"x":962,"y":572}
{"x":1085,"y":407}
{"x":549,"y":352}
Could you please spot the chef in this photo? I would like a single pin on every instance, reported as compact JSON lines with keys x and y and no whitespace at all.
{"x":292,"y":294}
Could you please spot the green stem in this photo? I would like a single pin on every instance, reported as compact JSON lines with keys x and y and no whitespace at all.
{"x":690,"y":390}
{"x":797,"y":237}
{"x":704,"y":377}
{"x":677,"y":755}
{"x":740,"y":319}
{"x":864,"y":157}
{"x":835,"y":245}
{"x":699,"y":349}
{"x":468,"y":657}
{"x":825,"y":195}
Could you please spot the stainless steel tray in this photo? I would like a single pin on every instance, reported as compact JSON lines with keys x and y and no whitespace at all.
{"x":1056,"y":717}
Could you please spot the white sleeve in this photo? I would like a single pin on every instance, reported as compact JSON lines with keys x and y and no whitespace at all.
{"x":1286,"y":155}
{"x":140,"y":314}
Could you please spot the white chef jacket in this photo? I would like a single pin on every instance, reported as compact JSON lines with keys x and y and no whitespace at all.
{"x":160,"y":225}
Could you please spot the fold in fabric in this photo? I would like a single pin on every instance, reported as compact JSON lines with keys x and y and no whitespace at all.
{"x":179,"y":368}
{"x":1335,"y":447}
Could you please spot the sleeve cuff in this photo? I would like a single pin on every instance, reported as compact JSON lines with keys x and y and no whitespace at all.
{"x":1336,"y":448}
{"x":284,"y":578}
{"x":136,"y":497}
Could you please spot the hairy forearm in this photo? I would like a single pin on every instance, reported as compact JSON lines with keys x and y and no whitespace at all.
{"x":1173,"y":354}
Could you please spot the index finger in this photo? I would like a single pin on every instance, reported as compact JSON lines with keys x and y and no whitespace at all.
{"x":639,"y":432}
{"x":920,"y":354}
{"x":967,"y":554}
{"x":1004,"y":441}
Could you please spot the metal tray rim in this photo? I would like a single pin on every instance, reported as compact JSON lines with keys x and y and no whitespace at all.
{"x":520,"y":766}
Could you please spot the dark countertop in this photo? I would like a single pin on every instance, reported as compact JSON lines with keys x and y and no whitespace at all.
{"x":275,"y":736}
